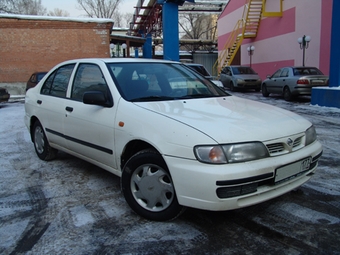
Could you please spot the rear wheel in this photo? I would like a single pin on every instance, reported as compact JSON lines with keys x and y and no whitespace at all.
{"x":265,"y":92}
{"x":287,"y":95}
{"x":148,"y":188}
{"x":41,"y":145}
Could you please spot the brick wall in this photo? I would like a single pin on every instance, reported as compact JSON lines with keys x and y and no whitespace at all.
{"x":28,"y":45}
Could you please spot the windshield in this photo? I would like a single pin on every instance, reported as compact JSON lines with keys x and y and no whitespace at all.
{"x":243,"y":70}
{"x":161,"y":81}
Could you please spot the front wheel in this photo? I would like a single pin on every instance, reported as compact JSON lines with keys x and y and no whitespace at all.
{"x":41,"y":145}
{"x":265,"y":92}
{"x":148,"y":188}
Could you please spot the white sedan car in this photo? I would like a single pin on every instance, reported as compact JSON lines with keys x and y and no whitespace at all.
{"x":175,"y":139}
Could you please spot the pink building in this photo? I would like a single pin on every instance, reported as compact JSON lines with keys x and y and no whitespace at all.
{"x":273,"y":28}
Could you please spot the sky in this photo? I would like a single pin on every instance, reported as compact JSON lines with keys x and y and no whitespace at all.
{"x":126,"y":6}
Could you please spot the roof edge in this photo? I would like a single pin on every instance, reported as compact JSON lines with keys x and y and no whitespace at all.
{"x":53,"y":18}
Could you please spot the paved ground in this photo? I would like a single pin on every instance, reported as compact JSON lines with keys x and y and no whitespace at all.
{"x":68,"y":206}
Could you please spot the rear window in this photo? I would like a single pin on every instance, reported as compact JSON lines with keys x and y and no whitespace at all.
{"x":200,"y":69}
{"x":306,"y":71}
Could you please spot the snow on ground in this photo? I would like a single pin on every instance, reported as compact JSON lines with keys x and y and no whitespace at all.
{"x":68,"y":206}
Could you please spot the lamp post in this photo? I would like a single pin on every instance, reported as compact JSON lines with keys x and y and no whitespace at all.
{"x":250,"y":50}
{"x":124,"y":48}
{"x":112,"y":46}
{"x":304,"y":43}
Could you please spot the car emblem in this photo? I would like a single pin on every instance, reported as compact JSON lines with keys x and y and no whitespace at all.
{"x":290,"y":142}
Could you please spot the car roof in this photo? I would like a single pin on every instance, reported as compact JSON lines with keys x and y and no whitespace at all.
{"x":193,"y":64}
{"x":239,"y":66}
{"x":298,"y":67}
{"x":119,"y":60}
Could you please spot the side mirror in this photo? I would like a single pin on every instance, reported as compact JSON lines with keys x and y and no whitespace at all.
{"x":96,"y":98}
{"x":269,"y":76}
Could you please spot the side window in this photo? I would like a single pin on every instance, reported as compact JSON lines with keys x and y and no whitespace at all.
{"x":277,"y":74}
{"x":56,"y":84}
{"x":88,"y":78}
{"x":284,"y":72}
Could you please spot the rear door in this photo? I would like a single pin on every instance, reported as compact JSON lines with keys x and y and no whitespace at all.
{"x":51,"y":103}
{"x":274,"y":85}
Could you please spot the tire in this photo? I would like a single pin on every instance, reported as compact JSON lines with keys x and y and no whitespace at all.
{"x":287,"y":95}
{"x":41,"y":145}
{"x":231,"y":86}
{"x":265,"y":92}
{"x":148,"y":188}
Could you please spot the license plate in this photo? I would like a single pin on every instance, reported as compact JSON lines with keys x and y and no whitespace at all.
{"x":291,"y":170}
{"x":317,"y":81}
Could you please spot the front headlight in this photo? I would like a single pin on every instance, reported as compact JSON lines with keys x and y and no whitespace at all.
{"x":210,"y":154}
{"x":231,"y":153}
{"x":310,"y":135}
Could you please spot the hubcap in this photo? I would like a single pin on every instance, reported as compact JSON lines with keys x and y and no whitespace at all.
{"x":39,"y":140}
{"x":152,"y":188}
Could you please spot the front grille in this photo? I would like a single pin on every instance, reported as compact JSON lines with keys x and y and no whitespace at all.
{"x":275,"y":148}
{"x":297,"y":142}
{"x":282,"y":147}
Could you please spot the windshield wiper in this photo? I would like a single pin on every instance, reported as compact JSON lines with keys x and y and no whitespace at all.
{"x":197,"y":96}
{"x":152,"y":98}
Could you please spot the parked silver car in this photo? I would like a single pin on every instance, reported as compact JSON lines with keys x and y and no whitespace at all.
{"x":240,"y":77}
{"x":294,"y":81}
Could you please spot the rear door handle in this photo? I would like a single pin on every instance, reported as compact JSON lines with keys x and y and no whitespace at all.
{"x":39,"y":102}
{"x":69,"y":109}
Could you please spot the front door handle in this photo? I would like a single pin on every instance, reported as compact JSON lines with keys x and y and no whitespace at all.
{"x":39,"y":102}
{"x":69,"y":109}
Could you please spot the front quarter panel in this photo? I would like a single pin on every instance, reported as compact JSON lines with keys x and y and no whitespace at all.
{"x":170,"y":137}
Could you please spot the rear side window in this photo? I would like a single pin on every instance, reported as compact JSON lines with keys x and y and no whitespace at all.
{"x":285,"y":72}
{"x":56,"y":84}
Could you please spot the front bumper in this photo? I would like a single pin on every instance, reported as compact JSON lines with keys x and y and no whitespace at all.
{"x":199,"y":185}
{"x":249,"y":85}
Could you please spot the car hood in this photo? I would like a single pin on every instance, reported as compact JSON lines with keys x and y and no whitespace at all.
{"x":246,"y":76}
{"x":231,"y":119}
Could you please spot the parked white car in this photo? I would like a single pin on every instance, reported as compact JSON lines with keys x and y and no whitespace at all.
{"x":175,"y":139}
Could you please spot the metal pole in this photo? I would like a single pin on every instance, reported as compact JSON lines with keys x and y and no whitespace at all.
{"x":303,"y":49}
